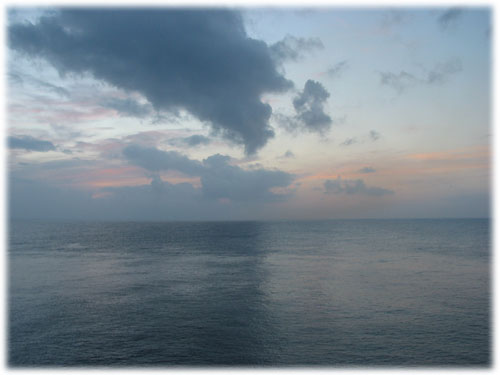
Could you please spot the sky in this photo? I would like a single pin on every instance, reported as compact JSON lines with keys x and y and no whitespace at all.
{"x":248,"y":113}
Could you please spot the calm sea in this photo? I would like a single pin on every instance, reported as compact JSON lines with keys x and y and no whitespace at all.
{"x":329,"y":293}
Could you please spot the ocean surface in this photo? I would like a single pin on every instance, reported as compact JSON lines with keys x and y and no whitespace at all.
{"x":327,"y":293}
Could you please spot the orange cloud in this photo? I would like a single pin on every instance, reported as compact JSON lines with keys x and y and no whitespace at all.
{"x":475,"y":153}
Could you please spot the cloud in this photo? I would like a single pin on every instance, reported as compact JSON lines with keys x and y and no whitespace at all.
{"x":61,"y":91}
{"x":400,"y":82}
{"x":349,"y":142}
{"x":309,"y":107}
{"x":374,"y":135}
{"x":442,"y":71}
{"x":193,"y":140}
{"x":219,"y":179}
{"x":287,"y":155}
{"x":27,"y":142}
{"x":291,"y":48}
{"x":160,"y":200}
{"x":128,"y":107}
{"x":155,"y":160}
{"x":222,"y":180}
{"x":353,"y":187}
{"x":18,"y":78}
{"x":338,"y":69}
{"x":15,"y":78}
{"x":449,"y":18}
{"x":439,"y":74}
{"x":198,"y":60}
{"x":171,"y":192}
{"x":367,"y":170}
{"x":393,"y":18}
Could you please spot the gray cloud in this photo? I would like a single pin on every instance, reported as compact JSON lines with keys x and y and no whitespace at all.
{"x":160,"y":200}
{"x":61,"y":91}
{"x":219,"y":179}
{"x":193,"y":140}
{"x":222,"y":180}
{"x":349,"y":142}
{"x":437,"y":75}
{"x":449,"y":18}
{"x":309,"y":110}
{"x":442,"y":71}
{"x":367,"y":170}
{"x":309,"y":107}
{"x":392,"y":18}
{"x":352,"y":187}
{"x":182,"y":192}
{"x":128,"y":107}
{"x":198,"y":60}
{"x":27,"y":142}
{"x":338,"y":69}
{"x":155,"y":160}
{"x":400,"y":82}
{"x":287,"y":155}
{"x":291,"y":48}
{"x":374,"y":135}
{"x":18,"y":78}
{"x":15,"y":78}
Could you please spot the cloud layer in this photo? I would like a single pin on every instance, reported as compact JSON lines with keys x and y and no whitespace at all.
{"x":358,"y":187}
{"x":219,"y":179}
{"x":198,"y":60}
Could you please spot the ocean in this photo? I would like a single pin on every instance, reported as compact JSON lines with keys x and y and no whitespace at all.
{"x":411,"y":293}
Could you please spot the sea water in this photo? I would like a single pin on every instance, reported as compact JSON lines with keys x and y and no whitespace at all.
{"x":327,"y":293}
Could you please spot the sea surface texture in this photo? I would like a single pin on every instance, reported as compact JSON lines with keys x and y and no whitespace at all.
{"x":327,"y":293}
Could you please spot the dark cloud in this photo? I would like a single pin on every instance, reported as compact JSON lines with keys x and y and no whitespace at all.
{"x":309,"y":107}
{"x":338,"y":69}
{"x":449,"y":18}
{"x":222,"y":180}
{"x":160,"y":200}
{"x":352,"y":187}
{"x":367,"y":170}
{"x":31,"y":199}
{"x":437,"y":75}
{"x":191,"y":141}
{"x":291,"y":48}
{"x":198,"y":60}
{"x":128,"y":107}
{"x":374,"y":135}
{"x":349,"y":142}
{"x":182,"y":192}
{"x":27,"y":142}
{"x":219,"y":179}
